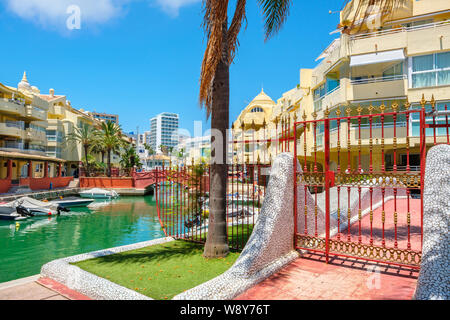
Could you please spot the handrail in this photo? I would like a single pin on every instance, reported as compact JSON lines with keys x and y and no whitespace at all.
{"x":379,"y":79}
{"x":399,"y":30}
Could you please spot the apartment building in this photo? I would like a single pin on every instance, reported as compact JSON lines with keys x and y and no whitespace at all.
{"x":395,"y":59}
{"x":194,"y":149}
{"x":105,"y":117}
{"x":33,"y":128}
{"x":254,"y":123}
{"x":164,"y":131}
{"x":23,"y":139}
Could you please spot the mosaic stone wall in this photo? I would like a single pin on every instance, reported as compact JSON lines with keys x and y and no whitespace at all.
{"x":89,"y":284}
{"x":270,"y":246}
{"x":434,"y":277}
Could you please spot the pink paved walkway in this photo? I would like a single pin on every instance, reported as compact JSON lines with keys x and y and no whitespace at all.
{"x":413,"y":237}
{"x":310,"y":278}
{"x":41,"y":289}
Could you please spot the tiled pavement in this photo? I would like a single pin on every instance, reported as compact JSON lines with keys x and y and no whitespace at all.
{"x":36,"y":288}
{"x":310,"y":278}
{"x":307,"y":278}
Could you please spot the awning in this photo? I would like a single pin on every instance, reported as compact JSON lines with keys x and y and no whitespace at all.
{"x":26,"y":156}
{"x":377,"y":57}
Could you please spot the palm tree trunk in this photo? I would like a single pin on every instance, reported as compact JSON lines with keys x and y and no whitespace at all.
{"x":109,"y":163}
{"x":216,"y":242}
{"x":86,"y":159}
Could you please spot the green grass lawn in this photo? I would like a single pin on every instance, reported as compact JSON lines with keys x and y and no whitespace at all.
{"x":161,"y":271}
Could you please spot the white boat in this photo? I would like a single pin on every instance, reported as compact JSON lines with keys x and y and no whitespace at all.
{"x":72,"y":202}
{"x":10,"y":213}
{"x":29,"y":207}
{"x":97,"y":193}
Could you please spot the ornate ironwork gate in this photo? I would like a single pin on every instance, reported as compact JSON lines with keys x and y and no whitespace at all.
{"x":359,"y":183}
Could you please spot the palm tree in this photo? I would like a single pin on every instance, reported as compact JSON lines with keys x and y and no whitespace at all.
{"x":220,"y":51}
{"x":130,"y":159}
{"x":99,"y":147}
{"x":149,"y":149}
{"x":111,"y":137}
{"x":85,"y":135}
{"x":214,"y":96}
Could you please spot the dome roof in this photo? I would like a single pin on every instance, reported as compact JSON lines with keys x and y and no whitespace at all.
{"x":263,"y":97}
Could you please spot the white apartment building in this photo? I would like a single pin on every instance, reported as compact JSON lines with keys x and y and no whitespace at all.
{"x":164,"y":131}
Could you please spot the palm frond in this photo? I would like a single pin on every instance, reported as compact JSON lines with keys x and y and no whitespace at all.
{"x":275,"y":14}
{"x":236,"y":24}
{"x":214,"y":23}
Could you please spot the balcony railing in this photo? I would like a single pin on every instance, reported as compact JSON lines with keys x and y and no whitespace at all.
{"x":379,"y":79}
{"x":318,"y":102}
{"x":399,"y":30}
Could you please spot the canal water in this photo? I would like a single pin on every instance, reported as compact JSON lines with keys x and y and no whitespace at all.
{"x":25,"y":247}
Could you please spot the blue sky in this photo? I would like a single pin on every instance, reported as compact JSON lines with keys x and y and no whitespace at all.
{"x":138,"y":58}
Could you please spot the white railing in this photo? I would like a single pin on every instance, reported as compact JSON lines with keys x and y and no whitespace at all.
{"x":318,"y":102}
{"x":399,"y":30}
{"x":377,"y":125}
{"x":379,"y":79}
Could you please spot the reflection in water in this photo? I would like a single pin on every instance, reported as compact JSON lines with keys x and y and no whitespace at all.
{"x":26,"y":246}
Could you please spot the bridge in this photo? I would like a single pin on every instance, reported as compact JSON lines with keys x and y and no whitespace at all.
{"x":142,"y":180}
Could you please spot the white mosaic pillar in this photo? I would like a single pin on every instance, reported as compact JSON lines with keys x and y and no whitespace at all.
{"x":434,"y":277}
{"x":269,"y":248}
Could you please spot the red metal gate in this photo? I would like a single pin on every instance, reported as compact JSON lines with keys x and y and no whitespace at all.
{"x":359,"y":181}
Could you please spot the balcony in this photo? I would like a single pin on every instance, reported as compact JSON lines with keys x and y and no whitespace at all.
{"x":376,"y":88}
{"x":12,"y":129}
{"x":35,"y":113}
{"x":418,"y":39}
{"x":13,"y":107}
{"x":335,"y":97}
{"x":35,"y":135}
{"x":58,"y":111}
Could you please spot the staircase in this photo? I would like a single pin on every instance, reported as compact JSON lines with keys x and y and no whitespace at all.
{"x":75,"y":183}
{"x":16,"y":189}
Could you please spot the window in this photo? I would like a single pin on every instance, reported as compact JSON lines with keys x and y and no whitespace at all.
{"x":442,"y":120}
{"x":257,"y":109}
{"x":395,"y":70}
{"x":318,"y":94}
{"x":430,"y":70}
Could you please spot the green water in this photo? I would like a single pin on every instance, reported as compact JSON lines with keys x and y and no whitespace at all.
{"x":36,"y":241}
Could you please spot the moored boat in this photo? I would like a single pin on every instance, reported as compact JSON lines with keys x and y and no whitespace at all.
{"x":70,"y":202}
{"x":97,"y":193}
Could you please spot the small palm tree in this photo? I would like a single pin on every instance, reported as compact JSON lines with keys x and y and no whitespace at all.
{"x":84,"y":135}
{"x":149,"y":149}
{"x":110,"y":136}
{"x":99,"y":147}
{"x":130,"y":159}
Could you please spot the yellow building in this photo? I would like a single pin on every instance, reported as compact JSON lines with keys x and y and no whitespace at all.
{"x":23,"y":122}
{"x":394,"y":59}
{"x":254,"y":123}
{"x":33,"y":128}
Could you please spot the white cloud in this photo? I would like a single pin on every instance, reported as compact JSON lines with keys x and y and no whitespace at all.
{"x":172,"y":7}
{"x":54,"y":12}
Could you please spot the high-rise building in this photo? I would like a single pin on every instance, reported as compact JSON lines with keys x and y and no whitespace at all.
{"x":164,"y":130}
{"x":106,"y":117}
